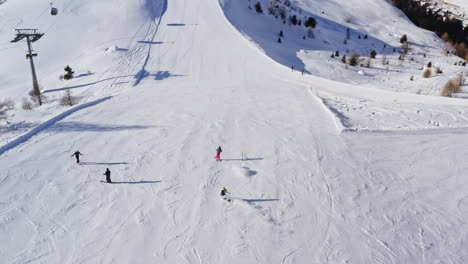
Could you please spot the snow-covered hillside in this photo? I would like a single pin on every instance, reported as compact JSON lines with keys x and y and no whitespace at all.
{"x":183,"y":80}
{"x":374,"y":25}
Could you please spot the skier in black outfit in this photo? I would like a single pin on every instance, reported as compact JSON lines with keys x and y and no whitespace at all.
{"x":69,"y":74}
{"x":68,"y":69}
{"x":224,"y":193}
{"x":107,"y":173}
{"x":77,"y":156}
{"x":218,"y":153}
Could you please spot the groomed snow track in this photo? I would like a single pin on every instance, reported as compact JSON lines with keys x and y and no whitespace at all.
{"x":304,"y":192}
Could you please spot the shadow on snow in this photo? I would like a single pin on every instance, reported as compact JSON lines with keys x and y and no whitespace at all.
{"x":257,"y":200}
{"x":137,"y":182}
{"x":149,"y":42}
{"x":102,"y":163}
{"x":48,"y":124}
{"x":247,"y":159}
{"x":77,"y":126}
{"x":158,"y":76}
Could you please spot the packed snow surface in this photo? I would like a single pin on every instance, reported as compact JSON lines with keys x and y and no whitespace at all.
{"x":319,"y":171}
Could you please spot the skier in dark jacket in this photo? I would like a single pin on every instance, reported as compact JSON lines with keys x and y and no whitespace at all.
{"x":108,"y":173}
{"x":224,"y":191}
{"x":69,"y":74}
{"x":218,"y":153}
{"x":69,"y":70}
{"x":77,"y":156}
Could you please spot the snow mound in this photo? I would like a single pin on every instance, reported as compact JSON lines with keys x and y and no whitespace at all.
{"x":363,"y":114}
{"x":245,"y":171}
{"x":111,"y":49}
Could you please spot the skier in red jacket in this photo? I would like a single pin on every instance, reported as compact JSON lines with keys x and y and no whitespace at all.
{"x":218,"y":153}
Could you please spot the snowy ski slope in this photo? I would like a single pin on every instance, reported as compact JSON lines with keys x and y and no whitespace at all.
{"x":184,"y":81}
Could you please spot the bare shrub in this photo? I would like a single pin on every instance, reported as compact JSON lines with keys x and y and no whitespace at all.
{"x":68,"y":99}
{"x":427,"y":73}
{"x":36,"y":96}
{"x":461,"y":50}
{"x":3,"y":110}
{"x":406,"y":48}
{"x":368,"y":63}
{"x":384,"y":59}
{"x":451,"y":87}
{"x":348,"y":20}
{"x":26,"y":104}
{"x":461,"y":78}
{"x":354,"y":60}
{"x":9,"y":104}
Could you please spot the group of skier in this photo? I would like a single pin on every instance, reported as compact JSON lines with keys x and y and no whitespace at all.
{"x":77,"y":155}
{"x":224,"y":191}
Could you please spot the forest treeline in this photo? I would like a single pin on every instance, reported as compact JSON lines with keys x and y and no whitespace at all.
{"x":447,"y":27}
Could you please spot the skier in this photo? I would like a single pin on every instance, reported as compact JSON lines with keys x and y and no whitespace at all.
{"x":108,"y":173}
{"x":224,"y":193}
{"x":69,"y":74}
{"x":68,"y":69}
{"x":77,"y":156}
{"x":218,"y":153}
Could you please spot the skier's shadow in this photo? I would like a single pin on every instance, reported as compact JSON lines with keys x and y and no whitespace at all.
{"x":250,"y":201}
{"x":246,"y":159}
{"x":136,"y":182}
{"x":103,"y":163}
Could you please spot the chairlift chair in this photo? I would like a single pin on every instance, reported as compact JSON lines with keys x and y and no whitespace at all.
{"x":54,"y":11}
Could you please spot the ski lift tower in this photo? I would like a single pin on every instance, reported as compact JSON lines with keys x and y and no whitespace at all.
{"x":31,"y":35}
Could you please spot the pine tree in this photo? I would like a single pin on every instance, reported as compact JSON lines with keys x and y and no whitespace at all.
{"x":258,"y":8}
{"x":281,"y":33}
{"x":343,"y":59}
{"x":373,"y":54}
{"x":293,"y":20}
{"x":311,"y":22}
{"x":404,"y":39}
{"x":279,"y":40}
